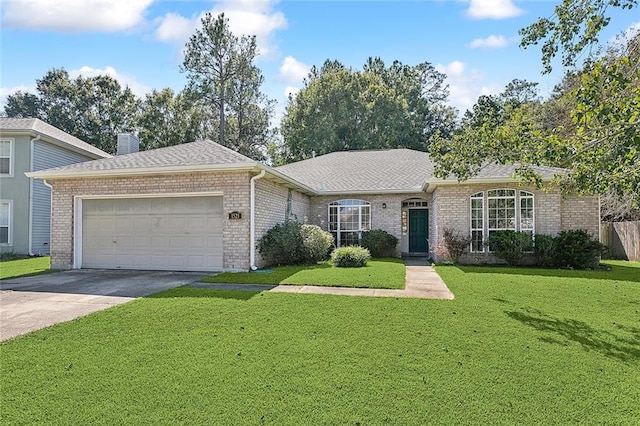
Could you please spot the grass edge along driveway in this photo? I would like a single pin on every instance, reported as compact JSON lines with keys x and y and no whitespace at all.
{"x":25,"y":267}
{"x":516,"y":346}
{"x":379,"y":273}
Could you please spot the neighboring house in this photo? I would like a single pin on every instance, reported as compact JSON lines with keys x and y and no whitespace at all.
{"x":28,"y":145}
{"x":203,"y":207}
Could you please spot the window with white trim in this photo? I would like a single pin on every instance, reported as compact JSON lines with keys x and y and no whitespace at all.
{"x":477,"y":222}
{"x":348,"y":219}
{"x":498,"y":210}
{"x":6,"y":154}
{"x":5,"y":222}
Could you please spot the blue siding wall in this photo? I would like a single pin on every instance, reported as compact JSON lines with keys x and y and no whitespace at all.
{"x":45,"y":156}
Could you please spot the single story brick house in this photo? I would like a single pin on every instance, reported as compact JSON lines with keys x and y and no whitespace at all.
{"x":202,"y":207}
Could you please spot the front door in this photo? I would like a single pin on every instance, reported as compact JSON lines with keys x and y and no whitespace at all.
{"x":418,"y":231}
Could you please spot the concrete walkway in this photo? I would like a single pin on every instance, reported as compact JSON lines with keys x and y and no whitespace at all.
{"x":422,"y":282}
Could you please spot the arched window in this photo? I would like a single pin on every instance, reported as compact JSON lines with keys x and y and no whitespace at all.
{"x":348,"y":219}
{"x":498,"y":210}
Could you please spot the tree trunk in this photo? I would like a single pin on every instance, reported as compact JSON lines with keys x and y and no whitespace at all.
{"x":221,"y":130}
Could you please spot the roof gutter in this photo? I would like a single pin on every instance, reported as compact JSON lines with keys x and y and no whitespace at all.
{"x":372,"y":191}
{"x":79,"y":174}
{"x":253,"y":219}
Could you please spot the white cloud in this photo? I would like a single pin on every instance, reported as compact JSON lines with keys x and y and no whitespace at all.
{"x":626,"y":35}
{"x":6,"y":91}
{"x":74,"y":15}
{"x":246,"y":17}
{"x":493,"y":9}
{"x":175,"y":28}
{"x":465,"y":86}
{"x":491,"y":42}
{"x":136,"y":87}
{"x":293,"y":71}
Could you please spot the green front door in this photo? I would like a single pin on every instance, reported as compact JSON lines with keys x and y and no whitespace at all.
{"x":418,"y":231}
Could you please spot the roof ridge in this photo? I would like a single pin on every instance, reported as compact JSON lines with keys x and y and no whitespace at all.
{"x":226,"y":148}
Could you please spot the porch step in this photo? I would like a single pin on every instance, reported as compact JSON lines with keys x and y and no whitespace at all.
{"x":416,"y":259}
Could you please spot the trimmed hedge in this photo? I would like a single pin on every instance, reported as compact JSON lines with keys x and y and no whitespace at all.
{"x":350,"y":257}
{"x":291,"y":243}
{"x":510,"y":245}
{"x":379,"y":243}
{"x":575,"y":249}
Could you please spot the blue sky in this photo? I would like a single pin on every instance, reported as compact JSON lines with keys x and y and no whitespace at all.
{"x":139,"y":42}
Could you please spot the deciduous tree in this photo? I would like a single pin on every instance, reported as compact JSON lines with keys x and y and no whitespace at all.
{"x":93,"y":109}
{"x":167,"y":119}
{"x":340,"y":109}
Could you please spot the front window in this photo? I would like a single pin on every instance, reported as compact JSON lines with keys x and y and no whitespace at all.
{"x":348,"y":219}
{"x":6,"y":151}
{"x":500,"y":209}
{"x":477,"y":222}
{"x":5,"y":218}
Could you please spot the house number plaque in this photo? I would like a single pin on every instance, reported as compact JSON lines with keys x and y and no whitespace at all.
{"x":235,"y":215}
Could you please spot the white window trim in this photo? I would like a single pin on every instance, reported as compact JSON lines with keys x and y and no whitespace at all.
{"x":472,"y":197}
{"x":12,"y":144}
{"x":10,"y":224}
{"x":485,"y":214}
{"x":338,"y":231}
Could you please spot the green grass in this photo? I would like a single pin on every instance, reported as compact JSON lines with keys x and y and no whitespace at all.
{"x":24,"y":267}
{"x":516,"y":346}
{"x":379,"y":273}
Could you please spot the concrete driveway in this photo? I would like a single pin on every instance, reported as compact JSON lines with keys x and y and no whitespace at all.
{"x":32,"y":303}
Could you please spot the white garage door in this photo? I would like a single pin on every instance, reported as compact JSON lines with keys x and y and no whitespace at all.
{"x":178,"y":233}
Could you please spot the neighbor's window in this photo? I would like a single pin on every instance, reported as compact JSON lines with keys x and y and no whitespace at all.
{"x":348,"y":219}
{"x":5,"y":217}
{"x":500,"y":209}
{"x":6,"y":150}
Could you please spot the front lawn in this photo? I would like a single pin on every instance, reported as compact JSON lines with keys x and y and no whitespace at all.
{"x":516,"y":346}
{"x":24,"y":267}
{"x":379,"y":273}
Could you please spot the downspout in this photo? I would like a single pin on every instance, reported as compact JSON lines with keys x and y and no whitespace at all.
{"x":253,"y":219}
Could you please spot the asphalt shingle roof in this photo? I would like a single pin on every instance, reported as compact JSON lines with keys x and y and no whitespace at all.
{"x":386,"y":170}
{"x":363,"y":171}
{"x":199,"y":153}
{"x":38,"y":126}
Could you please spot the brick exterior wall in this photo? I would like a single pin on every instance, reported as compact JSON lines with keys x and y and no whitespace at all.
{"x":271,"y":208}
{"x":553,"y":213}
{"x":387,"y":219}
{"x":234,"y":187}
{"x":580,"y":213}
{"x":449,"y":206}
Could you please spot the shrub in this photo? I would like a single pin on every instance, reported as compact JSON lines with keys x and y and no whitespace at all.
{"x":577,"y":249}
{"x":379,"y":243}
{"x":509,"y":245}
{"x":282,"y":244}
{"x":316,"y":243}
{"x":545,"y":251}
{"x":350,"y":257}
{"x":455,"y":245}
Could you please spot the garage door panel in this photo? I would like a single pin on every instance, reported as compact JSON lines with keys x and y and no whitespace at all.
{"x":173,"y":233}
